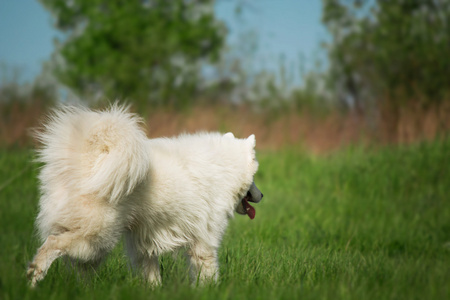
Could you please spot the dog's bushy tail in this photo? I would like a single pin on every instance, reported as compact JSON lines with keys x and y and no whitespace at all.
{"x":93,"y":152}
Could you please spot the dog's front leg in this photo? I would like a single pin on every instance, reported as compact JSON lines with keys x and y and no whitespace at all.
{"x":204,"y":267}
{"x":150,"y":268}
{"x":148,"y":265}
{"x":142,"y":260}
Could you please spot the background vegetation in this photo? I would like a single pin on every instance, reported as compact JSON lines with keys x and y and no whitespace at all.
{"x":147,"y":51}
{"x":385,"y":79}
{"x":389,"y":57}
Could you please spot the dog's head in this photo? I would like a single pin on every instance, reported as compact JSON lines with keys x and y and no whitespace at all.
{"x":247,"y":193}
{"x":253,"y":195}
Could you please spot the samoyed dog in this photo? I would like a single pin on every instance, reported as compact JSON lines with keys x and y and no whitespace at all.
{"x":102,"y":178}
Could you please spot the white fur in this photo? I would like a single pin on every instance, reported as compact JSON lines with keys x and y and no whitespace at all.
{"x":103,"y":178}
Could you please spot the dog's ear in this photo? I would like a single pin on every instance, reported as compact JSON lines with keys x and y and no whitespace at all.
{"x":251,"y":140}
{"x":229,"y":135}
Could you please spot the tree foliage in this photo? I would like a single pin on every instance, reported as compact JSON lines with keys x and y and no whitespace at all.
{"x":141,"y":50}
{"x":389,"y":49}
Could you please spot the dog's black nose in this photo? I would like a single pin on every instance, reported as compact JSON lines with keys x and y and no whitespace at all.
{"x":262,"y":195}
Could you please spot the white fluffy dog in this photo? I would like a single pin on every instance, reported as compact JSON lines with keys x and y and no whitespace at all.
{"x":102,"y":178}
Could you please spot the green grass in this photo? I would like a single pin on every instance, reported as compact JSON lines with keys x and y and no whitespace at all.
{"x":353,"y":225}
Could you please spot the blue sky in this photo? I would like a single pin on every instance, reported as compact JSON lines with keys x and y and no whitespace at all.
{"x":284,"y":28}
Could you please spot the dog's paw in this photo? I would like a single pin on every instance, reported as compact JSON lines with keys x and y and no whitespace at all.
{"x":154,"y":282}
{"x":34,"y":274}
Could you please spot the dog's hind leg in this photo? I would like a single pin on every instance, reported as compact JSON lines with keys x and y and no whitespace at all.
{"x":43,"y":259}
{"x":204,"y":267}
{"x":68,"y":243}
{"x":86,"y":271}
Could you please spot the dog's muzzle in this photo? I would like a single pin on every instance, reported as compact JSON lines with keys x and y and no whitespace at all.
{"x":253,"y":195}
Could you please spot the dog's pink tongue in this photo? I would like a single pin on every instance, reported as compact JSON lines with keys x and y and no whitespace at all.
{"x":249,"y":209}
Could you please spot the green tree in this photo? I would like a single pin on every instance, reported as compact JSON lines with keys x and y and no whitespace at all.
{"x":389,"y":49}
{"x":146,"y":51}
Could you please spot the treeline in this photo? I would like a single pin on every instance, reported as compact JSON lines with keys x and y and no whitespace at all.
{"x":388,"y":67}
{"x":390,"y":58}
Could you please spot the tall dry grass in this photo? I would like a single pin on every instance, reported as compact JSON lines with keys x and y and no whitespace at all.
{"x":317,"y":134}
{"x":413,"y":122}
{"x":16,"y":120}
{"x":314,"y":133}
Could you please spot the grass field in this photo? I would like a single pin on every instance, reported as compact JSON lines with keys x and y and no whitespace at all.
{"x":353,"y":225}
